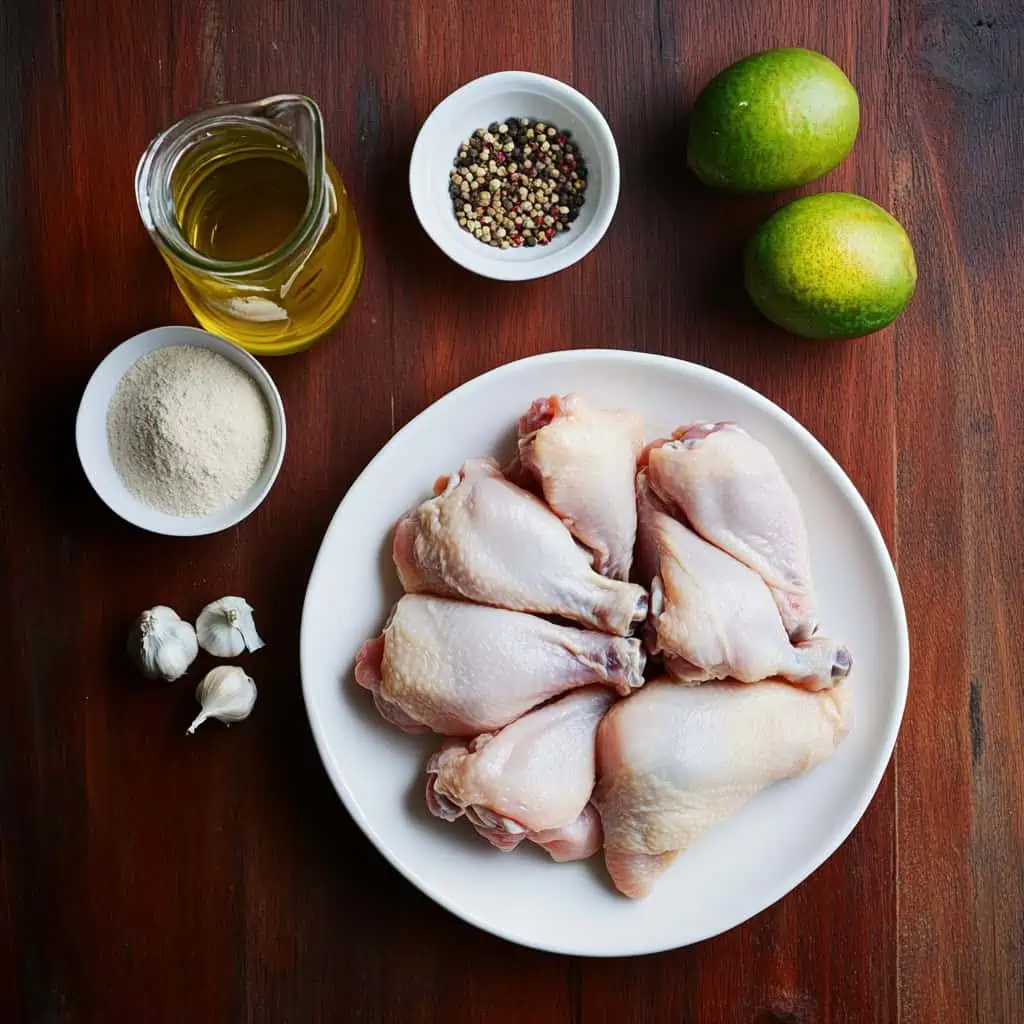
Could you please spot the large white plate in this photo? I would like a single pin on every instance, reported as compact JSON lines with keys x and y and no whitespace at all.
{"x":739,"y":867}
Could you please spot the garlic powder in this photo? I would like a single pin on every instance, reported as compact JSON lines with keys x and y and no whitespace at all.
{"x":189,"y":430}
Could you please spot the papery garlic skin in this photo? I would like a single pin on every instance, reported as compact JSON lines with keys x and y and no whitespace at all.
{"x":227,"y":694}
{"x":225,"y":628}
{"x":162,"y":644}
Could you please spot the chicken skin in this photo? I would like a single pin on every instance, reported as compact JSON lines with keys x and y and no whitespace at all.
{"x":532,"y":780}
{"x":675,"y":760}
{"x":460,"y":669}
{"x":713,"y":618}
{"x":584,"y":460}
{"x":731,"y":491}
{"x":483,"y":539}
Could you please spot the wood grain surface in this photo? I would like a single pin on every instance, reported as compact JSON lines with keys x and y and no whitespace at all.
{"x":144,"y":878}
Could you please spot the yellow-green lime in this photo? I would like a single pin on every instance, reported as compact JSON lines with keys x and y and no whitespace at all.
{"x":771,"y":121}
{"x":832,"y":265}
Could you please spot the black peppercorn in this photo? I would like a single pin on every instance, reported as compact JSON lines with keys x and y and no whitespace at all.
{"x":517,"y":182}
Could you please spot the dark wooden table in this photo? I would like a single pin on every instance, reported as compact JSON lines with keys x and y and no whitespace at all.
{"x":146,"y":878}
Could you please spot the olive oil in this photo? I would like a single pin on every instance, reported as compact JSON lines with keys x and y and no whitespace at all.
{"x":244,"y":204}
{"x":276,"y":254}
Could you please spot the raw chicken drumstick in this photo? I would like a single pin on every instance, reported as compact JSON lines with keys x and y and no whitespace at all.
{"x":732,"y":492}
{"x":533,"y":780}
{"x":484,"y":539}
{"x":712,"y":617}
{"x":461,"y":669}
{"x":675,"y":760}
{"x":584,"y":459}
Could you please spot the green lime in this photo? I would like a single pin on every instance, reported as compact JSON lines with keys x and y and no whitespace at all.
{"x":832,"y":265}
{"x":771,"y":121}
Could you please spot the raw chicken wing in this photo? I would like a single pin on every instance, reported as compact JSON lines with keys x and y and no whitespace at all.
{"x":712,"y":617}
{"x":732,"y":492}
{"x":461,"y":669}
{"x":484,"y":539}
{"x":584,"y":459}
{"x":533,"y":780}
{"x":675,"y":760}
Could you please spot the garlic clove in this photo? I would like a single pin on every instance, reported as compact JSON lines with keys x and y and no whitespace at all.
{"x":226,"y":627}
{"x":227,"y":694}
{"x":162,"y":644}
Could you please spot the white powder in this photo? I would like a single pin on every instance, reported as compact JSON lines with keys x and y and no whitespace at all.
{"x":189,"y":431}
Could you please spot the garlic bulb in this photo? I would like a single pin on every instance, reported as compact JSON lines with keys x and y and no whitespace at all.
{"x":162,"y":644}
{"x":227,"y":694}
{"x":225,"y":628}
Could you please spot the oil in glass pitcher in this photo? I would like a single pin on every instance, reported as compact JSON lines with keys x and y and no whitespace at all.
{"x":254,"y":222}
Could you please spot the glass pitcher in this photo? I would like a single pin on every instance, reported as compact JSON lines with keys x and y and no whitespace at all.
{"x":254,"y":222}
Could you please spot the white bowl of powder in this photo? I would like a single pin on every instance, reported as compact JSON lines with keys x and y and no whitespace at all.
{"x":181,"y":432}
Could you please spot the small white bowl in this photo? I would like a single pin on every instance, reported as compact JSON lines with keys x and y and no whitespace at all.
{"x":94,"y":449}
{"x":498,"y":97}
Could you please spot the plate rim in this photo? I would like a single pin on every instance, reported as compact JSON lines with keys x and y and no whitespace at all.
{"x":805,"y":868}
